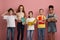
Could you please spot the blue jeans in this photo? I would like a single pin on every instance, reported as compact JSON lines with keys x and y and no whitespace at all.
{"x":10,"y":30}
{"x":41,"y":33}
{"x":30,"y":34}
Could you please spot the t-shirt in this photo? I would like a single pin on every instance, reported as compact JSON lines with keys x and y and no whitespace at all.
{"x":10,"y":20}
{"x":41,"y":18}
{"x":30,"y":22}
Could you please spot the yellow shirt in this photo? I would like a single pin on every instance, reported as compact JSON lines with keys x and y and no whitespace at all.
{"x":39,"y":18}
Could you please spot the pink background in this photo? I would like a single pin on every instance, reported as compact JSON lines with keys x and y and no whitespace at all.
{"x":33,"y":5}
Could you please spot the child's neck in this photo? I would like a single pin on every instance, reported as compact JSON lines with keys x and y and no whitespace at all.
{"x":40,"y":14}
{"x":30,"y":17}
{"x":51,"y":12}
{"x":10,"y":15}
{"x":20,"y":11}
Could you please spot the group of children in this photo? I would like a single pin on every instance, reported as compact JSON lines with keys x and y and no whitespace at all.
{"x":20,"y":16}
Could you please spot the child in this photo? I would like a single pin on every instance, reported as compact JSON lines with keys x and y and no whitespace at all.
{"x":10,"y":18}
{"x":51,"y":19}
{"x":41,"y":24}
{"x":30,"y":21}
{"x":21,"y":16}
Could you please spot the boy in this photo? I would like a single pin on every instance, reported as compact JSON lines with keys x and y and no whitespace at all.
{"x":51,"y":19}
{"x":10,"y":18}
{"x":41,"y":24}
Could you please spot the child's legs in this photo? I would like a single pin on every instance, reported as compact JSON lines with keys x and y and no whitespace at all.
{"x":43,"y":33}
{"x":49,"y":35}
{"x":28,"y":34}
{"x":12,"y":34}
{"x":8,"y":33}
{"x":53,"y":35}
{"x":39,"y":33}
{"x":31,"y":37}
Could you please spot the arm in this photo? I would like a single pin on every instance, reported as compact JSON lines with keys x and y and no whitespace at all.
{"x":34,"y":22}
{"x":4,"y":13}
{"x":54,"y":19}
{"x":49,"y":20}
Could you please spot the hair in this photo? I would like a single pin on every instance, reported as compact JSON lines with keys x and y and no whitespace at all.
{"x":18,"y":10}
{"x":29,"y":13}
{"x":10,"y":9}
{"x":41,"y":9}
{"x":51,"y":6}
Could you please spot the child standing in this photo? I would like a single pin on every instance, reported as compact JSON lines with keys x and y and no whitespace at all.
{"x":30,"y":25}
{"x":41,"y":24}
{"x":10,"y":18}
{"x":51,"y":19}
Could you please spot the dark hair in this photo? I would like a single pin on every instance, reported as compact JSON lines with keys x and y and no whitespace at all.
{"x":51,"y":6}
{"x":41,"y":9}
{"x":18,"y":10}
{"x":10,"y":9}
{"x":29,"y":13}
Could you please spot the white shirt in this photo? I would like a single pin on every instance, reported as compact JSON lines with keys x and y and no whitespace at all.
{"x":30,"y":20}
{"x":10,"y":20}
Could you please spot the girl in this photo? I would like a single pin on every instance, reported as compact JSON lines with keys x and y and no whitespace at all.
{"x":41,"y":24}
{"x":10,"y":18}
{"x":51,"y":19}
{"x":30,"y":21}
{"x":20,"y":21}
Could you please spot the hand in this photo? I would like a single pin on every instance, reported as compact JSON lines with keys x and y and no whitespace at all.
{"x":18,"y":20}
{"x":49,"y":20}
{"x":52,"y":18}
{"x":23,"y":23}
{"x":4,"y":13}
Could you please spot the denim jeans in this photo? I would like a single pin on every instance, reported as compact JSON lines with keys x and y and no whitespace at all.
{"x":30,"y":34}
{"x":20,"y":30}
{"x":41,"y":33}
{"x":10,"y":30}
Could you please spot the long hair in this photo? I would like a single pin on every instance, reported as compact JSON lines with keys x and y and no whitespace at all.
{"x":18,"y":10}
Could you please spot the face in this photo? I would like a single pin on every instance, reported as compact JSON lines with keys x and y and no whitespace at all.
{"x":10,"y":13}
{"x":51,"y":10}
{"x":41,"y":12}
{"x":31,"y":15}
{"x":21,"y":8}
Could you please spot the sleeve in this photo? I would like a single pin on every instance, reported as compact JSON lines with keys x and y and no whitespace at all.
{"x":55,"y":16}
{"x":5,"y":17}
{"x":37,"y":17}
{"x":34,"y":20}
{"x":47,"y":17}
{"x":15,"y":17}
{"x":44,"y":18}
